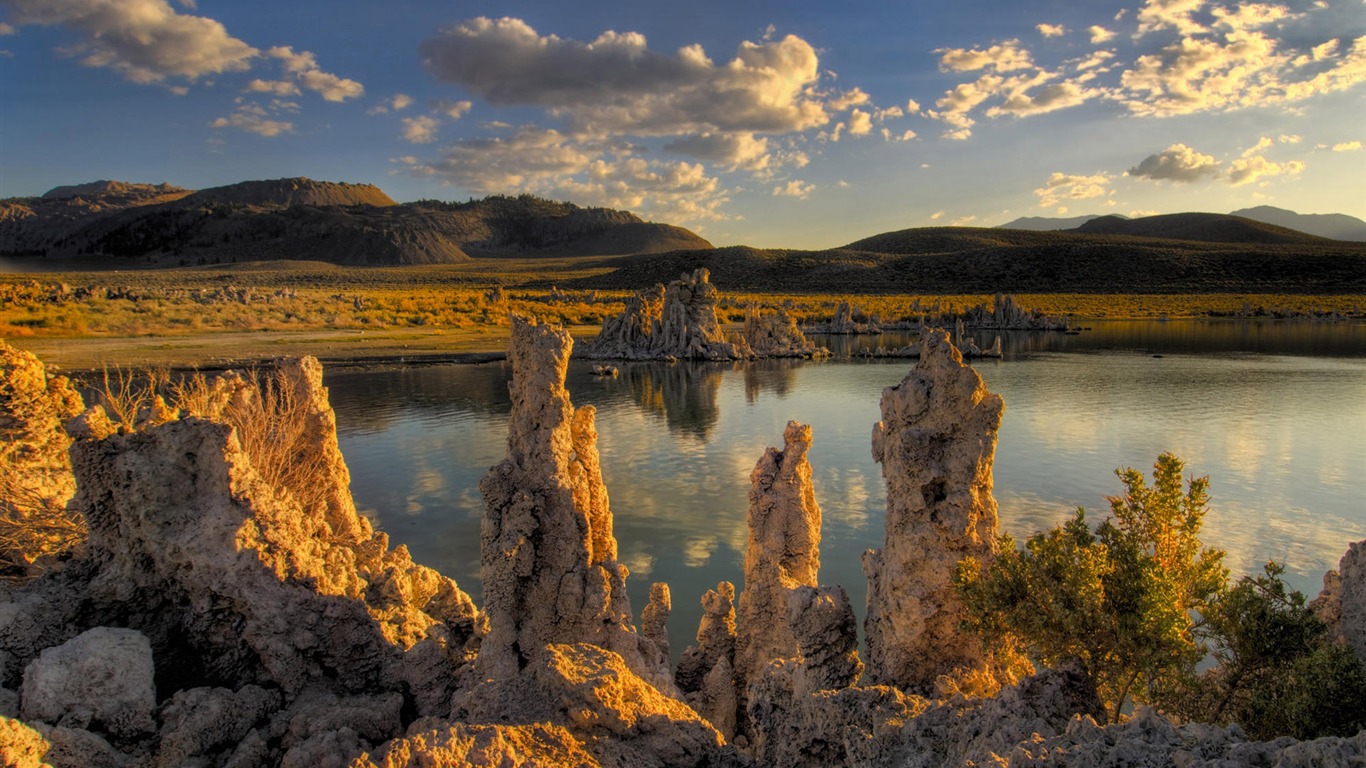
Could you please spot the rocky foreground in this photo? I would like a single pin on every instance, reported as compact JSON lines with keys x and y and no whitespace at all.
{"x":223,"y":614}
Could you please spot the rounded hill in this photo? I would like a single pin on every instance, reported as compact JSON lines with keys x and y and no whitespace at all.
{"x":1201,"y":227}
{"x":285,"y":193}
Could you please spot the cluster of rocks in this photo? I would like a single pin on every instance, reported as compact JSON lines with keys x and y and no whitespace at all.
{"x":1003,"y":314}
{"x":59,"y":293}
{"x":217,"y":618}
{"x":679,"y":322}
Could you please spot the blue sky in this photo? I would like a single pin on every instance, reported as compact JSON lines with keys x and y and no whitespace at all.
{"x":779,"y":124}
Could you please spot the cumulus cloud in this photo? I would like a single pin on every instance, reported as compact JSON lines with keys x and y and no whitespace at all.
{"x":1169,"y":14}
{"x":253,"y":119}
{"x":591,"y":172}
{"x":453,"y":109}
{"x":617,"y":84}
{"x":1100,"y":35}
{"x":860,"y":123}
{"x":276,"y":87}
{"x":145,"y":40}
{"x":1246,"y":170}
{"x":1023,"y":98}
{"x":735,"y":150}
{"x":1002,"y":57}
{"x":1051,"y":30}
{"x":1064,"y":186}
{"x":795,"y":188}
{"x":1176,"y":163}
{"x":1347,"y":146}
{"x":420,"y":130}
{"x":304,"y":67}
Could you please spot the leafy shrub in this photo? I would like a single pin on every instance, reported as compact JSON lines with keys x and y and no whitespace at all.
{"x":1120,"y":600}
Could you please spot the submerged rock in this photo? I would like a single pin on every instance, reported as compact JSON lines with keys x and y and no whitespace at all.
{"x":935,"y":442}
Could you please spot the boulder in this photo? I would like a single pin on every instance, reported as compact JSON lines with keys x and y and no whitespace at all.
{"x":101,"y":680}
{"x":936,"y":443}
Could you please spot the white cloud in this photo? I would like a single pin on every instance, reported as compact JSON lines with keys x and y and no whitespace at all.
{"x":851,"y":98}
{"x":1176,"y":163}
{"x":401,"y":101}
{"x":1249,"y":16}
{"x":617,"y":84}
{"x":794,"y":188}
{"x":1246,"y":170}
{"x":304,"y":67}
{"x":420,"y":130}
{"x":912,"y":106}
{"x":936,"y":216}
{"x":1347,"y":146}
{"x":1063,"y":186}
{"x":253,"y":119}
{"x":276,"y":87}
{"x":548,"y":162}
{"x":1169,"y":14}
{"x":145,"y":40}
{"x":962,"y":221}
{"x":860,"y":123}
{"x":736,"y":150}
{"x":1002,"y":57}
{"x":1100,"y":35}
{"x":1024,"y":99}
{"x":1051,"y":30}
{"x":453,"y":109}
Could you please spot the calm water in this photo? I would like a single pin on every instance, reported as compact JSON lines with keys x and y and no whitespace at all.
{"x":1274,"y":413}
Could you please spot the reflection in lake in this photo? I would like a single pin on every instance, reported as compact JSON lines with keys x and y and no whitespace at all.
{"x":1282,"y":437}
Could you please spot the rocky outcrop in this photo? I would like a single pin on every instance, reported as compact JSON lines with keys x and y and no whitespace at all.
{"x":437,"y":743}
{"x":783,"y":552}
{"x":1006,"y":314}
{"x":935,"y":442}
{"x":848,"y":320}
{"x":706,"y":671}
{"x":35,"y":470}
{"x":1343,"y":604}
{"x":677,"y":322}
{"x":777,"y":335}
{"x":547,"y":552}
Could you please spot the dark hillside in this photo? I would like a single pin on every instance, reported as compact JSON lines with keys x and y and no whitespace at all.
{"x":1203,"y":227}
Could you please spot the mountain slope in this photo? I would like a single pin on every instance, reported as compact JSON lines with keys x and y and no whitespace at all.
{"x":1046,"y":223}
{"x":1338,"y":226}
{"x":1203,"y":227}
{"x":315,"y":220}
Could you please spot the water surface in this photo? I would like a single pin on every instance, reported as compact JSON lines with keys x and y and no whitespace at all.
{"x":1274,"y":413}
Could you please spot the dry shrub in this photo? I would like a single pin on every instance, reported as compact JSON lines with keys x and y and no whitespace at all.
{"x":34,"y":530}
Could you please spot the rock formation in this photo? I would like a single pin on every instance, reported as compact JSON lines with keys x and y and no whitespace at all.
{"x":935,"y":442}
{"x":677,"y":322}
{"x":706,"y":672}
{"x":783,"y":551}
{"x":777,"y":335}
{"x":35,"y":470}
{"x":548,"y":555}
{"x":1342,"y":603}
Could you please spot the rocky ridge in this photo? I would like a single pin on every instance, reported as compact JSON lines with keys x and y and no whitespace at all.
{"x":221,"y":618}
{"x":301,"y":218}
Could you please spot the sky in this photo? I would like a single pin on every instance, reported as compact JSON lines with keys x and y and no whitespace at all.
{"x":793,"y":124}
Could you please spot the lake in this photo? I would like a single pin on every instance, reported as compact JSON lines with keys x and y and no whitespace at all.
{"x":1273,"y":412}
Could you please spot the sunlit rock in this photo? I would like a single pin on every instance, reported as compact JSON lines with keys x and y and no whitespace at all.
{"x":935,"y":442}
{"x":776,"y":335}
{"x":548,"y":555}
{"x":677,"y":322}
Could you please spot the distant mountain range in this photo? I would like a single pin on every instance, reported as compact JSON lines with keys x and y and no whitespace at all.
{"x":1336,"y":226}
{"x":318,"y":220}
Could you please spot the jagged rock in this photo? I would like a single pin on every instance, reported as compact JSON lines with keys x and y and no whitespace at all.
{"x":331,"y":749}
{"x":936,"y":442}
{"x":21,"y":746}
{"x":1006,"y":314}
{"x":481,"y":746}
{"x":1352,"y":598}
{"x":35,"y":471}
{"x":620,"y":718}
{"x":964,"y":731}
{"x":709,"y":691}
{"x":1147,"y":738}
{"x":777,"y":335}
{"x":100,"y":679}
{"x":677,"y":322}
{"x":798,"y":729}
{"x":9,"y":703}
{"x":79,"y":748}
{"x":783,"y":552}
{"x":826,"y":632}
{"x":547,"y":552}
{"x":654,"y":625}
{"x":200,"y":722}
{"x":373,"y":718}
